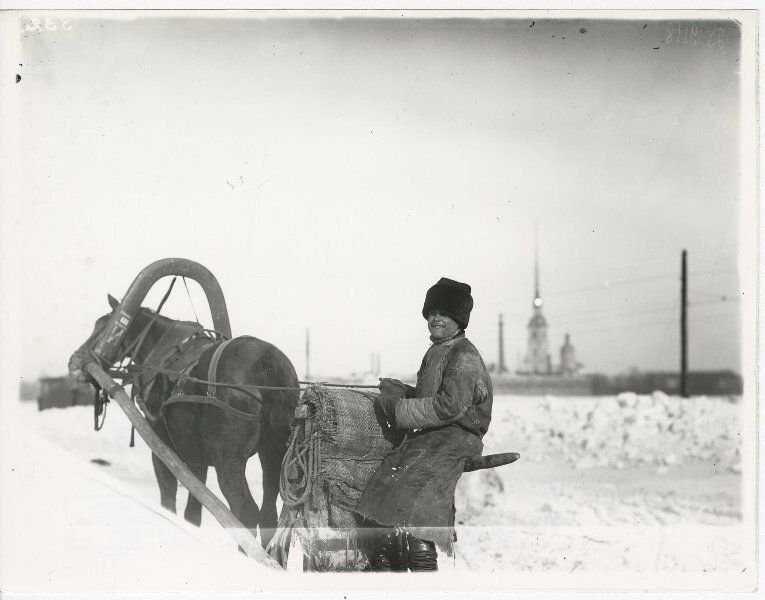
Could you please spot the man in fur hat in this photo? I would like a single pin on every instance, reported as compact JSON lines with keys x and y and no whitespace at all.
{"x":409,"y":501}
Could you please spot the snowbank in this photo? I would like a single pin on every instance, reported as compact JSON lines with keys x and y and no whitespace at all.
{"x":623,"y":431}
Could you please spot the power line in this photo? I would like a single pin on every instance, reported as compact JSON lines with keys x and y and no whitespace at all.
{"x":723,"y":300}
{"x":664,"y":322}
{"x":664,"y":258}
{"x":564,"y":321}
{"x":599,"y":288}
{"x":714,"y":294}
{"x":605,"y":286}
{"x":715,"y":317}
{"x":626,"y":314}
{"x":667,"y":329}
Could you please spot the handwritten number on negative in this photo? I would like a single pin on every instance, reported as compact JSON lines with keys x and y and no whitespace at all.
{"x":36,"y":25}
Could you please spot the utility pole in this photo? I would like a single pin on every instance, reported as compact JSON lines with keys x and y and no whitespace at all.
{"x":684,"y":325}
{"x":536,"y":263}
{"x":501,"y":362}
{"x":307,"y":354}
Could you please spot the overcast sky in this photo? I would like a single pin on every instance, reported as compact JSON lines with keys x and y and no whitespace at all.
{"x":328,"y":171}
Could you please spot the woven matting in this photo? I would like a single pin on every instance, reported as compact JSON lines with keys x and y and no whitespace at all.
{"x":355,"y":438}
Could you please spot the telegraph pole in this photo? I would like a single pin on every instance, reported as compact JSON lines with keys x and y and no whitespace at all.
{"x":374,"y":364}
{"x":501,"y":362}
{"x":307,"y":354}
{"x":684,"y":325}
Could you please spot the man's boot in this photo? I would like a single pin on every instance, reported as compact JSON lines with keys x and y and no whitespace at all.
{"x":422,"y":555}
{"x":386,"y":555}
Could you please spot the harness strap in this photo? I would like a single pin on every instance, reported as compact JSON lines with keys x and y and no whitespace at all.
{"x":212,"y":369}
{"x":247,"y":388}
{"x":252,"y":390}
{"x":211,"y":401}
{"x":174,"y":343}
{"x":135,"y":347}
{"x":171,"y":342}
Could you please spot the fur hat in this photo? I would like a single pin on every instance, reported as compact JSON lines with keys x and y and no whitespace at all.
{"x":452,"y":298}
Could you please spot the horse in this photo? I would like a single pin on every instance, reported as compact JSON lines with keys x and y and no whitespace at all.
{"x":204,"y":435}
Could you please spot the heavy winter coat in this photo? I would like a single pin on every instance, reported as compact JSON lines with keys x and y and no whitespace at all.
{"x":445,"y":417}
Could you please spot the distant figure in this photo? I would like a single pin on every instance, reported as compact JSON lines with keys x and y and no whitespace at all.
{"x":410,"y":498}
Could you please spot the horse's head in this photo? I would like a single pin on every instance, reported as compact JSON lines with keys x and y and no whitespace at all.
{"x":85,"y":353}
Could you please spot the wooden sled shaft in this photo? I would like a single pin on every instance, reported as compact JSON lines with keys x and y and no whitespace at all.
{"x":196,"y":488}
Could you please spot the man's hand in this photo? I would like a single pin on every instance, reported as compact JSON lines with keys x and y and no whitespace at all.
{"x":390,"y":394}
{"x":392,"y":385}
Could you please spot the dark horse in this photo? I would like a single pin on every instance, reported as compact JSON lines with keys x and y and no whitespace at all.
{"x":204,"y":435}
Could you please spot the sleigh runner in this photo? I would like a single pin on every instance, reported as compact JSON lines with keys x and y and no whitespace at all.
{"x":323,"y":448}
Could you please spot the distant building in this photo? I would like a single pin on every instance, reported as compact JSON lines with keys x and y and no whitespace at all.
{"x":536,"y":373}
{"x":568,"y":363}
{"x":537,"y":360}
{"x":29,"y":390}
{"x":62,"y":392}
{"x":720,"y":383}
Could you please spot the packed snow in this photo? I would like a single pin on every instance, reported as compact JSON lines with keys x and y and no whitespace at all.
{"x":610,"y":492}
{"x":625,"y":431}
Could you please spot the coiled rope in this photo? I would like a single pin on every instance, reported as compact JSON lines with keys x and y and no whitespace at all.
{"x":299,"y":467}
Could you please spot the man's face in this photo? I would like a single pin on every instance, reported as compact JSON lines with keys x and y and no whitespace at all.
{"x":441,"y":326}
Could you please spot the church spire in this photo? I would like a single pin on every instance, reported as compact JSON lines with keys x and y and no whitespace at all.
{"x":537,"y":293}
{"x":537,"y":355}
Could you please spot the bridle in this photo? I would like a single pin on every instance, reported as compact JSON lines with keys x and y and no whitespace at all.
{"x":101,"y":398}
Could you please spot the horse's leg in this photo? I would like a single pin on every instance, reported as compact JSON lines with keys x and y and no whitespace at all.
{"x":271,"y":457}
{"x":233,"y":484}
{"x":193,"y":513}
{"x":168,"y":484}
{"x":182,"y":426}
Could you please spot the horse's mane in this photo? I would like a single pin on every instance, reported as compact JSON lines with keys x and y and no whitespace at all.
{"x":167,"y":320}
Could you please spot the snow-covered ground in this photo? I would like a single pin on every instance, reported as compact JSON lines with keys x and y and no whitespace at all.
{"x":70,"y":524}
{"x":626,"y":493}
{"x":632,"y":484}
